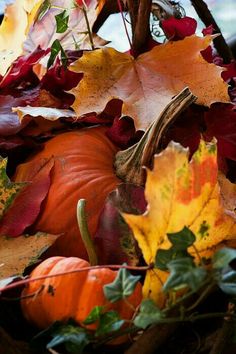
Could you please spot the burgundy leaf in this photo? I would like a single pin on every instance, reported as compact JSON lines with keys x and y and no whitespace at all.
{"x":59,"y":79}
{"x":221,"y":123}
{"x":122,"y":132}
{"x":26,"y":207}
{"x":114,"y":239}
{"x":187,"y":129}
{"x":9,"y":122}
{"x":10,"y":142}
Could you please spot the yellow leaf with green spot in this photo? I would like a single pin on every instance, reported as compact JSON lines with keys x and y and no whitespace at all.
{"x":181,"y":193}
{"x":8,"y":189}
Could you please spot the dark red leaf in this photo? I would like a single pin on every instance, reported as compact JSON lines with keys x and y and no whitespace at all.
{"x":230,"y":72}
{"x":122,"y":132}
{"x":221,"y":123}
{"x":59,"y":79}
{"x":114,"y":239}
{"x":10,"y":143}
{"x":187,"y":129}
{"x":26,"y":207}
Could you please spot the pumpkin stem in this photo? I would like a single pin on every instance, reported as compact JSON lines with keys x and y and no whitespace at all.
{"x":85,"y":234}
{"x":129,"y":164}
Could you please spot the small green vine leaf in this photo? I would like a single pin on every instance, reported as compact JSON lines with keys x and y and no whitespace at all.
{"x":122,"y":287}
{"x":74,"y":338}
{"x":184,"y":273}
{"x":94,"y":315}
{"x":56,"y":48}
{"x":149,"y":313}
{"x":183,"y":239}
{"x":109,"y":322}
{"x":62,"y":21}
{"x":46,"y":5}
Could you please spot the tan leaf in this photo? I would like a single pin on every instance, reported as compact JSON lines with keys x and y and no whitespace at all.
{"x":147,"y":84}
{"x":19,"y":252}
{"x":45,"y":112}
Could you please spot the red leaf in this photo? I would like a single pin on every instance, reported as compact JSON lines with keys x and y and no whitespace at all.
{"x":179,"y":28}
{"x":22,"y":69}
{"x":26,"y":207}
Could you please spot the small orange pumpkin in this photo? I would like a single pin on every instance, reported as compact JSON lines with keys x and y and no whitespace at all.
{"x":83,"y":169}
{"x":72,"y":295}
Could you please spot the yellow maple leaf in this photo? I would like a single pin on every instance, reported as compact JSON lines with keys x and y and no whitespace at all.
{"x":15,"y":25}
{"x":147,"y":84}
{"x":181,"y":194}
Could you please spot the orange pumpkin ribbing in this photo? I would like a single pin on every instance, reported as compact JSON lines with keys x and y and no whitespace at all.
{"x":72,"y":295}
{"x":83,"y":169}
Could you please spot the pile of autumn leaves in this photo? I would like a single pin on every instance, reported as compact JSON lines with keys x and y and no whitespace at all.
{"x":101,"y":86}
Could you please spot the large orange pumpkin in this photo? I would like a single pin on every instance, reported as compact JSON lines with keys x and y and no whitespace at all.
{"x":72,"y":295}
{"x":83,"y":169}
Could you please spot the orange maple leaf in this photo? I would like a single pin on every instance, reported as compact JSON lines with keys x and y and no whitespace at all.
{"x":147,"y":84}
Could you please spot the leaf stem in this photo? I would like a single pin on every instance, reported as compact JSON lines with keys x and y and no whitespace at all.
{"x":88,"y":27}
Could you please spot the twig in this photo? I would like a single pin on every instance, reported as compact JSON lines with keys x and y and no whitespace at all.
{"x":152,"y":339}
{"x":140,"y":23}
{"x":84,"y":9}
{"x":225,"y":333}
{"x":141,"y":33}
{"x":11,"y":346}
{"x":220,"y":44}
{"x":124,"y":22}
{"x":79,"y":270}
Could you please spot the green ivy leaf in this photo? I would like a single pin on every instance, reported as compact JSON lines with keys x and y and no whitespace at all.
{"x":183,"y":239}
{"x":94,"y":315}
{"x":163,"y":257}
{"x":121,"y":287}
{"x":183,"y":272}
{"x":109,"y":322}
{"x":223,"y":257}
{"x":149,"y":313}
{"x":64,"y":58}
{"x":74,"y":338}
{"x":62,"y":21}
{"x":56,"y":48}
{"x":46,"y":5}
